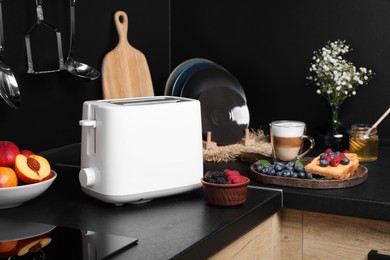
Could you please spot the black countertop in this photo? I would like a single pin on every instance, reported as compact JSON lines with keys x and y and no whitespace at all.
{"x":184,"y":225}
{"x":370,"y":199}
{"x":171,"y":227}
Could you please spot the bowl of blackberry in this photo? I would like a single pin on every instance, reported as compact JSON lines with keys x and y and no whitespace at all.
{"x":225,"y":188}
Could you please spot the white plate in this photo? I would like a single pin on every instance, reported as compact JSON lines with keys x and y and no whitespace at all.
{"x":14,"y":196}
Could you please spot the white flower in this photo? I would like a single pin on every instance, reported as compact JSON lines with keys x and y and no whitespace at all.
{"x":335,"y":77}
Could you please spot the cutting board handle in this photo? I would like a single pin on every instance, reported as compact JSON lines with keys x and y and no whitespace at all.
{"x":121,"y":24}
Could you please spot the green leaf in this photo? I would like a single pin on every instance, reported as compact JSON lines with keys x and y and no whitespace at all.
{"x":298,"y":163}
{"x":264,"y":163}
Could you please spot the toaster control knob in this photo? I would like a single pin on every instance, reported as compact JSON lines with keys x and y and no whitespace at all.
{"x":87,"y":177}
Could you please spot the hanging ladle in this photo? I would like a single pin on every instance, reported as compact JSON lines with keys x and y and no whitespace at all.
{"x":72,"y":66}
{"x":9,"y":89}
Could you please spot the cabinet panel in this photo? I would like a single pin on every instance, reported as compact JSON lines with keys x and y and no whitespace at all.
{"x":339,"y":237}
{"x":262,"y":242}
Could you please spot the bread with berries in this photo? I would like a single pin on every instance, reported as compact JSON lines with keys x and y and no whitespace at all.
{"x":339,"y":172}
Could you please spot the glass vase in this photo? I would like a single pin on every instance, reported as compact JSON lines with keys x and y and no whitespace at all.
{"x":338,"y":139}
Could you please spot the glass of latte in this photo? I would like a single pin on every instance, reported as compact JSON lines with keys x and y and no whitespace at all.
{"x":287,"y":139}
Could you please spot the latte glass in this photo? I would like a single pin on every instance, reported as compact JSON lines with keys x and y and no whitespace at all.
{"x":287,"y":139}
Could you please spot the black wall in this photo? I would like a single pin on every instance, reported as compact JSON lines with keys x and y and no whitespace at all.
{"x":267,"y":45}
{"x":52,"y":103}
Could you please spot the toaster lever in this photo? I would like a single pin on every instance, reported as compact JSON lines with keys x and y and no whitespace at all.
{"x":87,"y":122}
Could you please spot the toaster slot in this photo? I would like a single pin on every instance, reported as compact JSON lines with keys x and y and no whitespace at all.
{"x":145,"y":101}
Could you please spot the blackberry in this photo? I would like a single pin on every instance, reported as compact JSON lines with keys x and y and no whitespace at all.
{"x":208,"y":176}
{"x":221,"y":180}
{"x":217,"y":174}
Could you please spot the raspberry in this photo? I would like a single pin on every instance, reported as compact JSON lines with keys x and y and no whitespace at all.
{"x":238,"y":179}
{"x":335,"y":161}
{"x":345,"y":151}
{"x":342,"y":155}
{"x":231,"y":173}
{"x":328,"y":151}
{"x":327,"y":158}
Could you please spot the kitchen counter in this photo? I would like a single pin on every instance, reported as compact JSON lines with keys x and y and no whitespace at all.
{"x":370,"y":199}
{"x":184,"y":225}
{"x":171,"y":227}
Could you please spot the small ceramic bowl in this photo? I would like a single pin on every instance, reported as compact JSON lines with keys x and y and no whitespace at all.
{"x":225,"y":194}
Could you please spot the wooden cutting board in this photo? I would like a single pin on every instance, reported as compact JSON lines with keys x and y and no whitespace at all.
{"x":125,"y":70}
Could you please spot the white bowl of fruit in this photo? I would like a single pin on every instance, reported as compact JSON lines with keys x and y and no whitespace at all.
{"x":23,"y":175}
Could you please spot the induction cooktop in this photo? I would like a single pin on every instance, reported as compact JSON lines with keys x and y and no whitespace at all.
{"x":20,"y":240}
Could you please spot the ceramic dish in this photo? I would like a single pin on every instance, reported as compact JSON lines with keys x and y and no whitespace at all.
{"x":15,"y":196}
{"x":178,"y":70}
{"x":188,"y":72}
{"x":225,"y":114}
{"x":209,"y":78}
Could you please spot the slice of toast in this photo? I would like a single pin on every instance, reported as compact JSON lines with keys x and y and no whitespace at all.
{"x":340,"y":172}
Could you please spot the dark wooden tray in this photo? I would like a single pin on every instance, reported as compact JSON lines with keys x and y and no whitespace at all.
{"x":359,"y":177}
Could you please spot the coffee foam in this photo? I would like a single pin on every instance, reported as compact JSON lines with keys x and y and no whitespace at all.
{"x":287,"y":128}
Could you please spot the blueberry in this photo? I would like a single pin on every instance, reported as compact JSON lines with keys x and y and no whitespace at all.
{"x":324,"y":163}
{"x":322,"y":156}
{"x":344,"y":161}
{"x":259,"y":167}
{"x":301,"y":175}
{"x":299,"y":168}
{"x":278,"y":166}
{"x":290,"y":164}
{"x":286,"y":173}
{"x":264,"y":170}
{"x":309,"y":175}
{"x":278,"y":173}
{"x":271,"y":172}
{"x":331,"y":154}
{"x":294,"y":175}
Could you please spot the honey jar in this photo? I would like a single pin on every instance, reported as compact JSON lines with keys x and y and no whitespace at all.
{"x":364,"y":143}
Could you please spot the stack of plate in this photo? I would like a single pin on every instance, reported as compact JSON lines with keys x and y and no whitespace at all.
{"x":223,"y":102}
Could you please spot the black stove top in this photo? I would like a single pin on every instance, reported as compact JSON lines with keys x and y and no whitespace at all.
{"x":30,"y":240}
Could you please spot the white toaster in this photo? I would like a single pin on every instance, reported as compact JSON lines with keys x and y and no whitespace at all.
{"x":137,"y":149}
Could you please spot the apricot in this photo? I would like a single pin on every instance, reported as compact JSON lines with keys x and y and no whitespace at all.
{"x":34,"y":168}
{"x":8,"y":177}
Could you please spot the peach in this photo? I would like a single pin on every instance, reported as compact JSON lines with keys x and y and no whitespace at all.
{"x":34,"y":168}
{"x":8,"y":152}
{"x":8,"y":177}
{"x":26,"y":153}
{"x":8,"y":248}
{"x":32,"y":244}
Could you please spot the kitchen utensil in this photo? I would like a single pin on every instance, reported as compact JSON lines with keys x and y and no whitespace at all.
{"x":41,"y":21}
{"x":125,"y":71}
{"x":137,"y":149}
{"x":225,"y":114}
{"x":74,"y":67}
{"x":15,"y":196}
{"x":209,"y":78}
{"x":188,"y":72}
{"x":378,"y":121}
{"x":9,"y":89}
